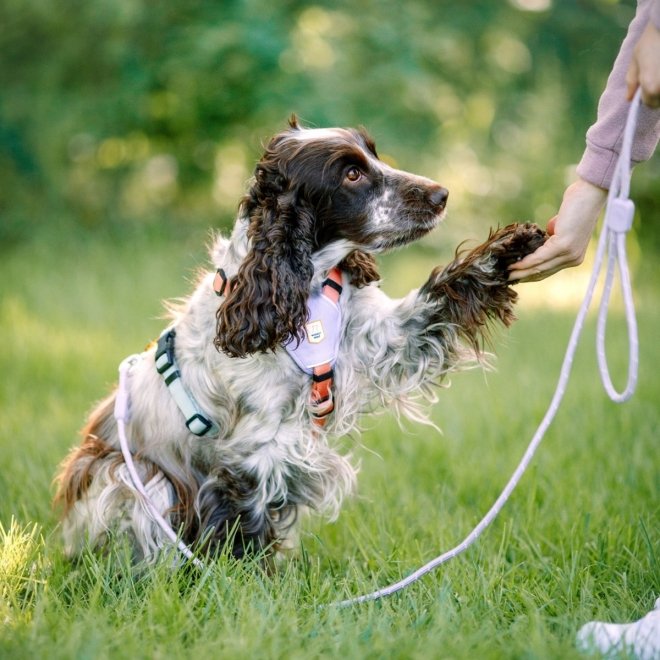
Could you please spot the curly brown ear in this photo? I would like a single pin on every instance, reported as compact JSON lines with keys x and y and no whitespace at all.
{"x":361,"y":268}
{"x":267,"y":305}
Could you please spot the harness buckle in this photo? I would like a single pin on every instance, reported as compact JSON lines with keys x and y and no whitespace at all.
{"x":198,"y":424}
{"x":166,"y":365}
{"x":221,"y":283}
{"x":165,"y":351}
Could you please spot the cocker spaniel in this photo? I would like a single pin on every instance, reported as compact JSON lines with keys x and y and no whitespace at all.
{"x":235,"y":414}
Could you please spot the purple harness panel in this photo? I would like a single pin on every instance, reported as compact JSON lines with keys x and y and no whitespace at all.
{"x":320,"y":344}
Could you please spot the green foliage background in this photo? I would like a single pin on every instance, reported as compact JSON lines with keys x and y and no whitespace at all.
{"x":128,"y":128}
{"x":130,"y":115}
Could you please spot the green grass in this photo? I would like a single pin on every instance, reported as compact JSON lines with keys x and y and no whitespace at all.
{"x":579,"y":539}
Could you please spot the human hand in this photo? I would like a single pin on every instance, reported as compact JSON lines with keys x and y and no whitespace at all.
{"x":570,"y":231}
{"x":644,"y":69}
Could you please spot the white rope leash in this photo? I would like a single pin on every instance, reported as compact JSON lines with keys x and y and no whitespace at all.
{"x":618,"y":221}
{"x":122,"y":415}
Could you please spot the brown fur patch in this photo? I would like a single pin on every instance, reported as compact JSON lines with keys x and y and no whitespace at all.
{"x":361,"y":268}
{"x":77,"y":470}
{"x":474,"y":295}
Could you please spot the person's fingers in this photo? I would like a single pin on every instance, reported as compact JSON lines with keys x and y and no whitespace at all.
{"x":548,"y":259}
{"x":632,"y":80}
{"x":542,"y":253}
{"x":546,"y":252}
{"x":651,"y":101}
{"x":538,"y":272}
{"x":651,"y":95}
{"x":644,"y":68}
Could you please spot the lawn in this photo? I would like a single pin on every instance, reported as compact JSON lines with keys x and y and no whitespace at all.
{"x":579,"y":539}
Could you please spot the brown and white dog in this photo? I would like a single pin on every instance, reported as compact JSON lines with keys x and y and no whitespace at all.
{"x":320,"y":199}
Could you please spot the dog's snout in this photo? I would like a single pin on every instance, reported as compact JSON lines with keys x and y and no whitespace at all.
{"x":438,"y":197}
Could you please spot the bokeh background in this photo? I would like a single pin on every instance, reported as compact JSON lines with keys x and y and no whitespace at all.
{"x":128,"y":131}
{"x":127,"y":118}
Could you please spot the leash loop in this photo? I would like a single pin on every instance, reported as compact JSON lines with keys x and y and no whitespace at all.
{"x":619,"y":215}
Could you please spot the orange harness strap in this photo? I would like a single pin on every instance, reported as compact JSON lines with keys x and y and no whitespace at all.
{"x":321,"y":397}
{"x":221,"y":283}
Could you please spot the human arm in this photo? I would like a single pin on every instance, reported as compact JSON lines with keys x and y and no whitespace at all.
{"x":571,"y":228}
{"x":570,"y":231}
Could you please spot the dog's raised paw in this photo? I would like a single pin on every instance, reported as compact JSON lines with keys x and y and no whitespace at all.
{"x":515,"y":241}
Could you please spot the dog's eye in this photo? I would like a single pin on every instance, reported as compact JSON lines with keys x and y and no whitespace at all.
{"x":353,"y":174}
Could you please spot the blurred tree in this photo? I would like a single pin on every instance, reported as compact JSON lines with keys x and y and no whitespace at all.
{"x":125,"y":113}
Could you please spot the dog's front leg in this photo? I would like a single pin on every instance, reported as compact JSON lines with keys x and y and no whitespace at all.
{"x":473,"y":290}
{"x":405,"y":345}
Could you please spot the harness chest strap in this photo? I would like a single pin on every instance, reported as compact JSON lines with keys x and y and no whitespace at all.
{"x":167,"y":367}
{"x":321,"y":398}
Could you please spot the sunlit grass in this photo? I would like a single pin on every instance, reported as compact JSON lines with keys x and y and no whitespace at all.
{"x":578,"y":540}
{"x":21,"y":571}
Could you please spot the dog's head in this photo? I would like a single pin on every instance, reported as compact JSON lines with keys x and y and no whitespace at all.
{"x":319,"y":197}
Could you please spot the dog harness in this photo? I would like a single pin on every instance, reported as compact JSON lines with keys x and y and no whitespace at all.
{"x":316,"y":353}
{"x":167,"y":367}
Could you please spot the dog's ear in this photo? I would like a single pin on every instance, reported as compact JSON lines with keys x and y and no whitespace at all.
{"x":361,"y":268}
{"x":267,"y":304}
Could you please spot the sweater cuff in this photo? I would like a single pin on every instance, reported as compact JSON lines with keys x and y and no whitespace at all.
{"x":597,"y":166}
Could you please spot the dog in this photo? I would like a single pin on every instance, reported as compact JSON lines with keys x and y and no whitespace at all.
{"x":252,"y":443}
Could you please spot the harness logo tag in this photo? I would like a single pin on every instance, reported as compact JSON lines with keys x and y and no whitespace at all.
{"x":315,"y":332}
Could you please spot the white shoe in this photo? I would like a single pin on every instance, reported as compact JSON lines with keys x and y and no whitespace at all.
{"x":640,"y":638}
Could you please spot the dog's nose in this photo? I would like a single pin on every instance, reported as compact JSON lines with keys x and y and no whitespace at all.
{"x":438,"y":197}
